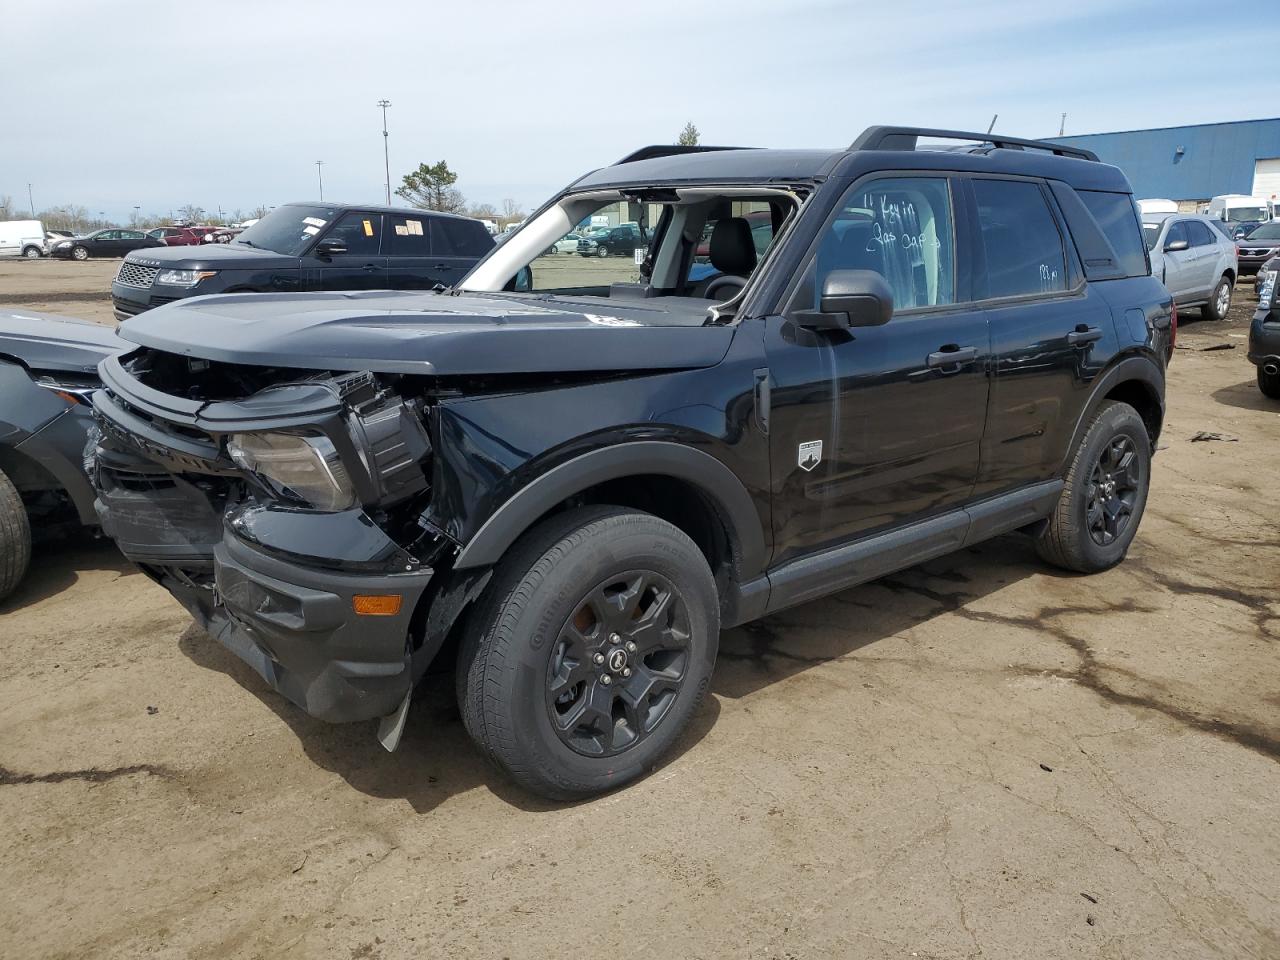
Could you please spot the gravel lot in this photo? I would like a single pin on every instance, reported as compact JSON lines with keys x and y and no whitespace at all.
{"x":980,"y":756}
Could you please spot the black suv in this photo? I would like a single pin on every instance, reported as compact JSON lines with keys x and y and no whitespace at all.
{"x":576,"y":485}
{"x":612,"y":241}
{"x":1264,"y":332}
{"x":309,"y":246}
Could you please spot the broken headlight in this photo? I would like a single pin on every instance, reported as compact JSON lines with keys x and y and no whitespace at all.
{"x":296,"y":467}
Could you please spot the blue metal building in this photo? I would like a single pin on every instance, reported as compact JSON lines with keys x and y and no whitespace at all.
{"x":1194,"y":163}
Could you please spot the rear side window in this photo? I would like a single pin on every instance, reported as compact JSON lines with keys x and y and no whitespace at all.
{"x":459,"y":238}
{"x":1118,"y":219}
{"x":406,"y":235}
{"x":1201,"y":236}
{"x":1025,"y":255}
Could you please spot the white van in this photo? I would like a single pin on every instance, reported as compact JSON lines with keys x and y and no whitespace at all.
{"x":1238,"y":208}
{"x":22,"y":238}
{"x":1157,"y":206}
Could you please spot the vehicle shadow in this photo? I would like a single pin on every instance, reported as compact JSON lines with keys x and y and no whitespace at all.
{"x":57,"y":564}
{"x":1245,"y":396}
{"x":437,"y":760}
{"x":781,"y":645}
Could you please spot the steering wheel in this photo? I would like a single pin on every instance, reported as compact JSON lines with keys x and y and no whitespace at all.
{"x":721,"y":283}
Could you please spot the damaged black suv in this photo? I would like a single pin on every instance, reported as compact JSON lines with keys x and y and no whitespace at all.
{"x":571,"y":474}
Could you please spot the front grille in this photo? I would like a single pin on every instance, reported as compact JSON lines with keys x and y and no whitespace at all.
{"x":136,"y":275}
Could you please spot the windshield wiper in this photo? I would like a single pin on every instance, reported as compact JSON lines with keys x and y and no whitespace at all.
{"x":250,"y":243}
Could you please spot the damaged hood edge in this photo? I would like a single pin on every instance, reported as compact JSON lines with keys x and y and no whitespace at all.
{"x":428,"y":334}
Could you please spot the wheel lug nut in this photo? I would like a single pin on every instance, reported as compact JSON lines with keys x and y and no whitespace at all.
{"x":626,"y":671}
{"x":598,"y":658}
{"x":614,"y":638}
{"x":606,"y":679}
{"x":631,"y":647}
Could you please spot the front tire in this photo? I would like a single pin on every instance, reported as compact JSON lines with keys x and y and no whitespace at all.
{"x":79,"y":253}
{"x":602,"y":251}
{"x":1269,"y":384}
{"x":1220,"y":302}
{"x":1101,"y":505}
{"x":592,"y":593}
{"x":15,"y":537}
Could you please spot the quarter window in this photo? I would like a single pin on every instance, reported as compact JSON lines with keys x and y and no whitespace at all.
{"x":1024,"y":248}
{"x":1116,"y":215}
{"x":452,"y":237}
{"x":901,"y":228}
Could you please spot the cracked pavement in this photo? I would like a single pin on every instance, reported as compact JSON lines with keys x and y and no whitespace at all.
{"x":980,"y":757}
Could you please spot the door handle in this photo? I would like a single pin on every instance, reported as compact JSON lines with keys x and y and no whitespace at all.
{"x":441,"y":266}
{"x":1082,"y":335}
{"x":951,"y":355}
{"x":371,"y":267}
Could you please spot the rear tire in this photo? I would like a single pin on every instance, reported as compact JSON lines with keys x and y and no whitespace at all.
{"x":15,"y":537}
{"x":593,"y":592}
{"x":32,"y":253}
{"x":79,"y":253}
{"x":1219,"y":301}
{"x":1101,"y":505}
{"x":1269,"y":384}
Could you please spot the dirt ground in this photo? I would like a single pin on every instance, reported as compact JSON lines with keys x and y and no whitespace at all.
{"x":977,"y":757}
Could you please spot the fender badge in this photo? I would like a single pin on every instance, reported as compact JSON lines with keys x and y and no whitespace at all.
{"x":809,"y":454}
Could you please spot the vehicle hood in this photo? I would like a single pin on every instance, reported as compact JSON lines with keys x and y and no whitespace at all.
{"x":43,"y":341}
{"x":432,"y":334}
{"x":211,"y":256}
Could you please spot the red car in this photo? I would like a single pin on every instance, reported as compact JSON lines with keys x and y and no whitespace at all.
{"x":181,"y":236}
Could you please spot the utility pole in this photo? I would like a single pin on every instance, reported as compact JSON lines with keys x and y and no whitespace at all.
{"x":386,"y":156}
{"x":994,"y":118}
{"x":320,"y":177}
{"x":31,"y":203}
{"x":1062,"y":127}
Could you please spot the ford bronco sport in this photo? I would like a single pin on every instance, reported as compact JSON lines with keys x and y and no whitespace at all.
{"x":572,"y":473}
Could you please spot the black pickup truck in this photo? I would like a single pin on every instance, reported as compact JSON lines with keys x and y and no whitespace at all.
{"x":308,"y":246}
{"x":574,"y":488}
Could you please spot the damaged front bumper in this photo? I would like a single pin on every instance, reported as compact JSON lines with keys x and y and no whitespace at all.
{"x":321,"y":605}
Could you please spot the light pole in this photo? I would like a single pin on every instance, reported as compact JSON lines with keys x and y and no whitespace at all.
{"x":386,"y":157}
{"x":320,"y":177}
{"x":137,"y":209}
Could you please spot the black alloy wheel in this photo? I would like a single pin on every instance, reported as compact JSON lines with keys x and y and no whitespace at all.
{"x":1113,"y":490}
{"x":619,"y":663}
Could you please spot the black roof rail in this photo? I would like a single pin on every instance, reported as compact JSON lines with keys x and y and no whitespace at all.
{"x":669,"y":150}
{"x":904,"y":138}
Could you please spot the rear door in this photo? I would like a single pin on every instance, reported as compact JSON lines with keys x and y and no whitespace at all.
{"x":1051,"y":333}
{"x":406,"y":241}
{"x":362,"y":266}
{"x":1204,"y":262}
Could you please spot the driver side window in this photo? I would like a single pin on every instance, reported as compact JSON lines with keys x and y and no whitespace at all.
{"x":900,"y":228}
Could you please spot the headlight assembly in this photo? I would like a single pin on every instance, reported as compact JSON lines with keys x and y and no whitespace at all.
{"x":184,"y":278}
{"x":296,"y":467}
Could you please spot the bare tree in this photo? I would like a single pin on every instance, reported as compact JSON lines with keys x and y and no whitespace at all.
{"x":6,"y":208}
{"x":512,"y":212}
{"x":67,"y":217}
{"x":688,"y":136}
{"x":483,"y":211}
{"x":191,"y":212}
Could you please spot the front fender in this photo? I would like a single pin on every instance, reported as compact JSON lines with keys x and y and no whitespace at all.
{"x":704,"y":471}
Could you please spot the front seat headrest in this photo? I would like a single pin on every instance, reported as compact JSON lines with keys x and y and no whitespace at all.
{"x":732,"y":251}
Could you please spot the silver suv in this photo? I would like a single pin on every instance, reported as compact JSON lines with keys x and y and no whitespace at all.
{"x":1195,"y":261}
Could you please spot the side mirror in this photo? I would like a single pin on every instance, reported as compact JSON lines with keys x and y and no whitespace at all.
{"x":331,"y":247}
{"x":850,"y":298}
{"x":1175,"y":246}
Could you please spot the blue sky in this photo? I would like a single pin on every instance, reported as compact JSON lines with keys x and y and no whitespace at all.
{"x":230,"y":104}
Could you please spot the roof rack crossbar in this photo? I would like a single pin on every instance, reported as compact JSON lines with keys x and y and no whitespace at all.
{"x":669,"y":150}
{"x":905,"y":138}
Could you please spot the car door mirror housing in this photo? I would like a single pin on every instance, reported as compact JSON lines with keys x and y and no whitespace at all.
{"x":852,"y":298}
{"x":1173,"y":246}
{"x":331,"y":246}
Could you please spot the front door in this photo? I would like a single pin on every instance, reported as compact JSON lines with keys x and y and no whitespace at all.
{"x":1179,"y":265}
{"x":362,"y":266}
{"x":875,"y":427}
